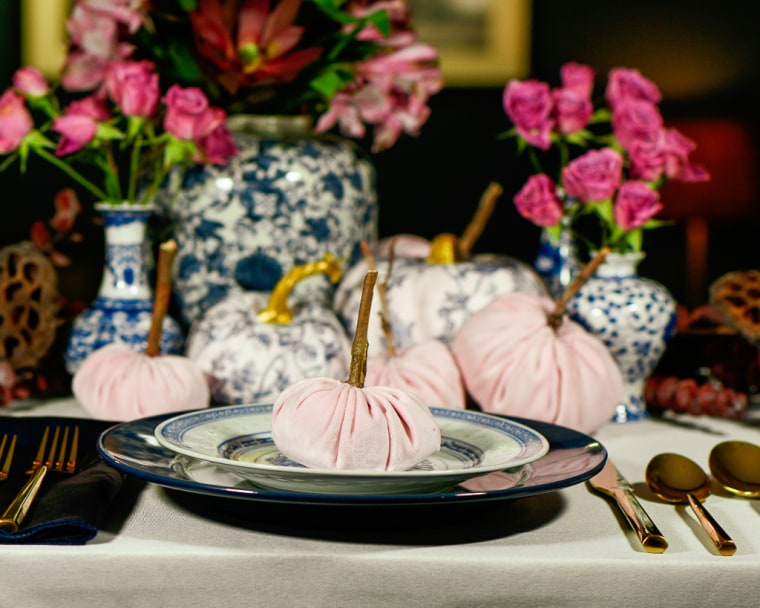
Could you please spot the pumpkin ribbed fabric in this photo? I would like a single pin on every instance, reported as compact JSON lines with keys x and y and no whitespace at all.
{"x":514,"y":363}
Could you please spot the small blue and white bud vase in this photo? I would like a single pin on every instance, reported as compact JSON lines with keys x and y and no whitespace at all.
{"x":634,"y":316}
{"x":123,"y":308}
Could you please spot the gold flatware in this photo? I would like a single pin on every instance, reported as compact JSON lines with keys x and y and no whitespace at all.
{"x":5,"y":469}
{"x":735,"y":465}
{"x":675,"y":478}
{"x":57,"y":461}
{"x":609,"y":481}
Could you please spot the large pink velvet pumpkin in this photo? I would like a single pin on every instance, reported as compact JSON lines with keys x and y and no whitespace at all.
{"x":514,"y":363}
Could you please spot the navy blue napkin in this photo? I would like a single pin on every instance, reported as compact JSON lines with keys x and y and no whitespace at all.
{"x":68,"y":508}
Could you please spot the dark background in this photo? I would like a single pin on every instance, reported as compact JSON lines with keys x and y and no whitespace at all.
{"x":705,"y":57}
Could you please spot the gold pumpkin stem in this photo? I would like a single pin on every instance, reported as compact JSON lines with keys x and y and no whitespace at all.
{"x":482,"y":214}
{"x":277,"y":310}
{"x":382,"y":292}
{"x":447,"y":248}
{"x":444,"y":249}
{"x":166,"y":254}
{"x":358,"y":370}
{"x":554,"y":319}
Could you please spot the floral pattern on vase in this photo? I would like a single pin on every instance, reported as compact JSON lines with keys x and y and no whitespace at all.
{"x":634,"y":316}
{"x":123,"y":308}
{"x":286,"y":199}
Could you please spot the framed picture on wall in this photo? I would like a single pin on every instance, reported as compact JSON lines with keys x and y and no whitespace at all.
{"x":481,"y":43}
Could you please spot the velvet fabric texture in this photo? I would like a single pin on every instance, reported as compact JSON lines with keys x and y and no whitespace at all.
{"x":118,"y":383}
{"x":514,"y":363}
{"x":326,"y":423}
{"x":427,"y":369}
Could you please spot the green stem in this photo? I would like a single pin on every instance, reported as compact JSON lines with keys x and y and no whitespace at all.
{"x":134,"y":166}
{"x":75,"y":175}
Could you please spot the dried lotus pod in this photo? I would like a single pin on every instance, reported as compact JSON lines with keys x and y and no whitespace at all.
{"x":736,"y":295}
{"x":28,"y":304}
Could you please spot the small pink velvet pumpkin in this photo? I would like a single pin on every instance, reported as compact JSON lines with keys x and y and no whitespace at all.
{"x":327,"y":423}
{"x":427,"y":369}
{"x":118,"y":383}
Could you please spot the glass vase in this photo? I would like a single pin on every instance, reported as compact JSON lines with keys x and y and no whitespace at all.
{"x":557,"y":260}
{"x":634,"y":316}
{"x":123,"y":307}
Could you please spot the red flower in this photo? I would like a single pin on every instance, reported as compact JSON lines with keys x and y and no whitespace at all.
{"x":261,"y":51}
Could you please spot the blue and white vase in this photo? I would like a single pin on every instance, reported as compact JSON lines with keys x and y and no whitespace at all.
{"x":634,"y":316}
{"x":123,"y":308}
{"x":557,"y":261}
{"x":286,"y":199}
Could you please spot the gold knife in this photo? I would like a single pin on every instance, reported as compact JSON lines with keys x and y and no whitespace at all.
{"x":609,"y":481}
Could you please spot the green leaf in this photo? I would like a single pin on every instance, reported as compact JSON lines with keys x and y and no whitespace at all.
{"x":108,"y":132}
{"x":178,"y":151}
{"x":188,"y":5}
{"x":331,"y":81}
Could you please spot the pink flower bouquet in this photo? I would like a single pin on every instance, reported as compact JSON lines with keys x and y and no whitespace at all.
{"x":127,"y":131}
{"x":348,"y":64}
{"x":611,"y":161}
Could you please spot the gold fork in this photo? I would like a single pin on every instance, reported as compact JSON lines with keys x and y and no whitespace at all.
{"x":56,"y":461}
{"x":6,"y":467}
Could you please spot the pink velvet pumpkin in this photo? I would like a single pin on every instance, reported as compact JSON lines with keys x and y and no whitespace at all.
{"x":427,"y":369}
{"x":515,"y":363}
{"x":327,"y":423}
{"x":331,"y":424}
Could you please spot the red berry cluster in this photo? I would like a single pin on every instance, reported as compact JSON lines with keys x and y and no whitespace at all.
{"x":690,"y":396}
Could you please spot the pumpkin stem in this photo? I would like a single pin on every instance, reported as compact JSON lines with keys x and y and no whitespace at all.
{"x":360,"y":345}
{"x":482,"y":214}
{"x":277,"y":310}
{"x":382,"y":292}
{"x":555,"y":317}
{"x":444,"y":249}
{"x":166,"y":254}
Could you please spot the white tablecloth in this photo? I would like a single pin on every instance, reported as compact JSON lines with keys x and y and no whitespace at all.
{"x":565,"y":548}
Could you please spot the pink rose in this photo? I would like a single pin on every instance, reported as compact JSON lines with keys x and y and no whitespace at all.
{"x":15,"y":121}
{"x":537,"y":201}
{"x":213,"y":138}
{"x":529,"y":106}
{"x":626,"y":83}
{"x":647,"y":159}
{"x":133,"y":86}
{"x":93,"y":106}
{"x":636,"y":119}
{"x":676,"y":150}
{"x":30,"y":82}
{"x":184,"y":108}
{"x":578,"y":77}
{"x":77,"y":130}
{"x":635,"y":204}
{"x":572,"y":109}
{"x":218,"y":146}
{"x":593,"y":176}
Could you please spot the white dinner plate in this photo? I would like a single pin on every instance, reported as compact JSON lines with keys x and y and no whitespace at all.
{"x":238,"y":438}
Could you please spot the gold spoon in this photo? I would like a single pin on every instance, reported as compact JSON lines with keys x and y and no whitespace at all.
{"x":675,"y":478}
{"x":736,"y":466}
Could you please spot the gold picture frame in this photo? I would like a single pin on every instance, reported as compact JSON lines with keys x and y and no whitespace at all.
{"x":481,"y":43}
